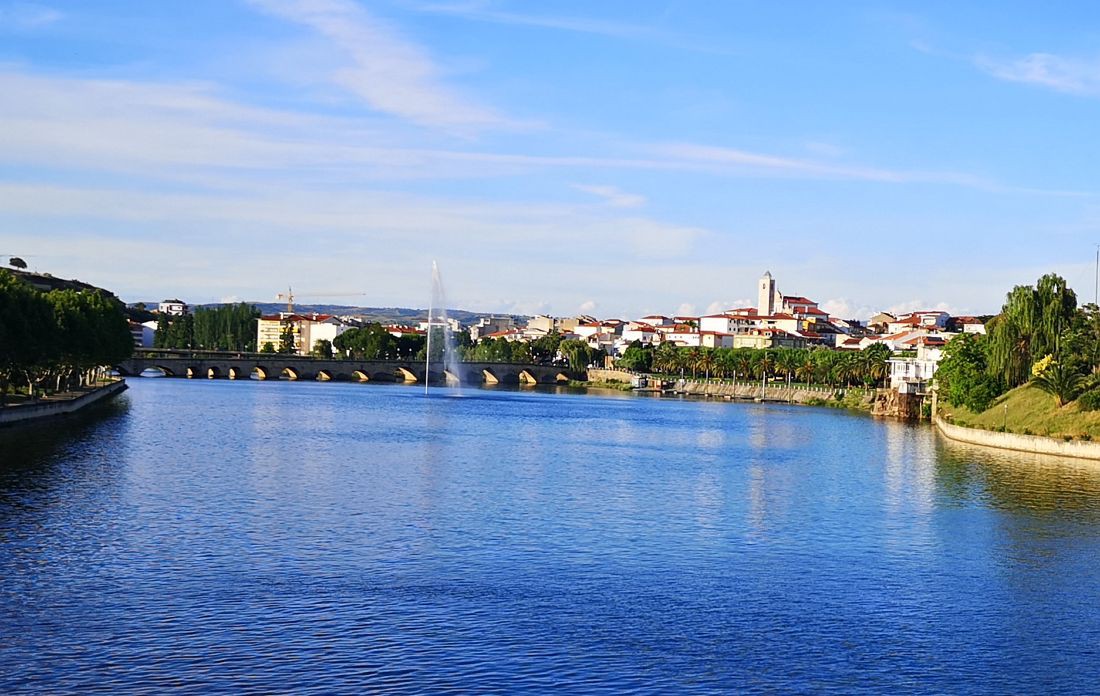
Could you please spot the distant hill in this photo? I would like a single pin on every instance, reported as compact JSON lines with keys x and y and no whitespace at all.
{"x":382,"y":315}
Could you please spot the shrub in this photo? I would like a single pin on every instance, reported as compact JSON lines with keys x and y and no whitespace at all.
{"x":1089,"y":401}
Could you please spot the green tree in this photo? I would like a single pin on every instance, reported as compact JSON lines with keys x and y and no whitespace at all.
{"x":322,"y":348}
{"x":286,"y":339}
{"x":963,"y":377}
{"x":268,"y":347}
{"x":636,"y":357}
{"x":1030,"y":325}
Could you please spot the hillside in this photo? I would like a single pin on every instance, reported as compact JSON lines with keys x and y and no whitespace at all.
{"x":383,"y":315}
{"x":1029,"y":412}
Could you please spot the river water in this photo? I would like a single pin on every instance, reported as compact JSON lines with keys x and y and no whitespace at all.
{"x":273,"y":536}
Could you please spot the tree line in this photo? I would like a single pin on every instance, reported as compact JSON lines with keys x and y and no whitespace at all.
{"x":57,"y":340}
{"x":1041,"y":337}
{"x":817,"y":365}
{"x":374,"y":342}
{"x":226,"y":327}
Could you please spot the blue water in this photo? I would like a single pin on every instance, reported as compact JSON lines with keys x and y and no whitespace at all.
{"x":292,"y":537}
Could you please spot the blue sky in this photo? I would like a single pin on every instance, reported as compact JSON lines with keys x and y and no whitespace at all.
{"x":617,"y":158}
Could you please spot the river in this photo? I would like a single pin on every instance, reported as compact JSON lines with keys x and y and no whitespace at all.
{"x":331,"y":537}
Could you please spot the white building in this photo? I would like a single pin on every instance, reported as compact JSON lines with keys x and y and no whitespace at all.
{"x":912,"y":375}
{"x":173,"y":308}
{"x":143,"y":334}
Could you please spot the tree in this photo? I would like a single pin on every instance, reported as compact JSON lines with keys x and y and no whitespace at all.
{"x":963,"y":377}
{"x":27,"y":327}
{"x":286,"y":339}
{"x":269,"y":347}
{"x":16,"y":262}
{"x":1058,"y":379}
{"x":322,"y":348}
{"x":636,"y":357}
{"x":873,"y":363}
{"x":1030,"y":325}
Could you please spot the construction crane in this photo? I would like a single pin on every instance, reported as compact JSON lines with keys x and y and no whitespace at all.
{"x":289,"y":297}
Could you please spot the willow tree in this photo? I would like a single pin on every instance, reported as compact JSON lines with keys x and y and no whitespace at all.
{"x":1029,"y":327}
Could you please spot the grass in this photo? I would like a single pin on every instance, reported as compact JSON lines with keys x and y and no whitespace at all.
{"x":1030,"y":412}
{"x":597,"y":384}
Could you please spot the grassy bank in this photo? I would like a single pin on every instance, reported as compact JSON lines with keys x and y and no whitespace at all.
{"x":597,"y":384}
{"x":852,"y":400}
{"x":1028,"y":411}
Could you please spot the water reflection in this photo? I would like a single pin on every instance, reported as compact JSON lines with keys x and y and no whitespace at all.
{"x":1042,"y":485}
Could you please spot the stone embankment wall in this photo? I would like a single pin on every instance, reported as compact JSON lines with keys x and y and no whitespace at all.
{"x":1035,"y":444}
{"x":602,"y":375}
{"x":890,"y":403}
{"x":795,"y":395}
{"x":48,"y":408}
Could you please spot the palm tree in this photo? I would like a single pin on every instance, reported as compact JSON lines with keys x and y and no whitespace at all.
{"x":692,"y":360}
{"x":1060,"y":381}
{"x":787,"y":362}
{"x":807,"y":371}
{"x":705,"y":361}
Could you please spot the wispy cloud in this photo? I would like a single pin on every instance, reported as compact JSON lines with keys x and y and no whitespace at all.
{"x":391,"y":73}
{"x":1059,"y":73}
{"x":614,"y":196}
{"x":189,"y":132}
{"x":27,"y":15}
{"x":484,"y":11}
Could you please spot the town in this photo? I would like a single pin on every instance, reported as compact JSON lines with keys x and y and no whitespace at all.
{"x":915,"y":340}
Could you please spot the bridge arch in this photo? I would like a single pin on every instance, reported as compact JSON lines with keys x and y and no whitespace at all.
{"x":451,"y":378}
{"x":406,"y":375}
{"x":561,"y":378}
{"x":213,"y":373}
{"x":525,"y":377}
{"x":490,"y":377}
{"x":164,"y":371}
{"x":260,"y":372}
{"x":360,"y":375}
{"x":191,"y":372}
{"x":324,"y":376}
{"x":234,"y":373}
{"x":290,"y":373}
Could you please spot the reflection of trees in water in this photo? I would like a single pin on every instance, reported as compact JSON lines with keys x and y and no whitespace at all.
{"x":30,"y":450}
{"x":1017,"y":481}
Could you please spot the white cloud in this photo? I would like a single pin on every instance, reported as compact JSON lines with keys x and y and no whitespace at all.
{"x":482,"y":11}
{"x":388,"y":71}
{"x":1061,"y":74}
{"x":843,"y":308}
{"x":919,"y":306}
{"x":719,"y":306}
{"x":614,"y":196}
{"x":588,"y":307}
{"x":686,"y":310}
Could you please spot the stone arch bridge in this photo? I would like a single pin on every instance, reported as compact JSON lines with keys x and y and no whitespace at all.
{"x":293,"y":367}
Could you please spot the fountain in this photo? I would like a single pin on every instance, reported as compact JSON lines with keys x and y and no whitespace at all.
{"x":437,"y":316}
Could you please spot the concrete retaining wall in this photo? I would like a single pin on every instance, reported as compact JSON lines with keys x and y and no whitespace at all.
{"x":774,"y":392}
{"x":1035,"y":444}
{"x":602,"y":375}
{"x":59,"y":407}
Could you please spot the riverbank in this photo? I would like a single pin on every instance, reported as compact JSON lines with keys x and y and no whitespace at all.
{"x":62,"y":404}
{"x":1034,"y":444}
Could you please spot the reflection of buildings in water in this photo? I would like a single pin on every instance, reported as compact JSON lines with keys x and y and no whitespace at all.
{"x":909,"y":468}
{"x":758,"y":511}
{"x":708,"y":501}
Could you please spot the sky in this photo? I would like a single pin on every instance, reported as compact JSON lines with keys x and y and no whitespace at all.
{"x":617,"y":158}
